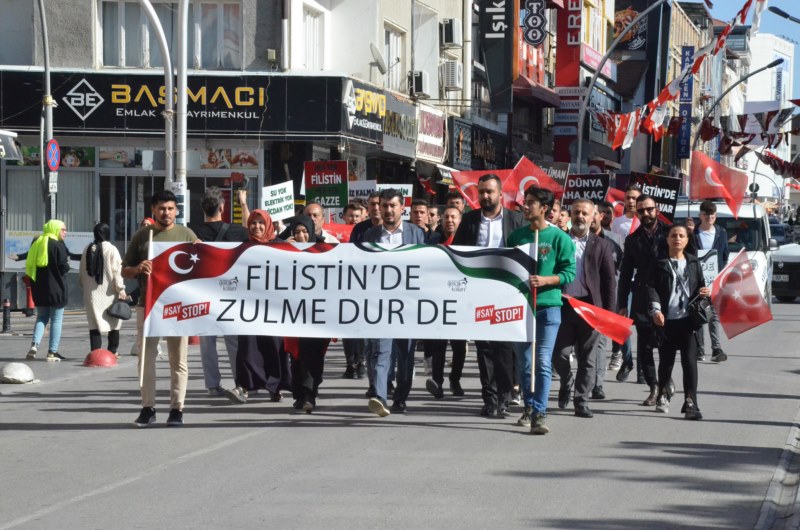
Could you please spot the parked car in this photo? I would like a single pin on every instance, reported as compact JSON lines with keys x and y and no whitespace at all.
{"x":781,"y":233}
{"x":786,"y":272}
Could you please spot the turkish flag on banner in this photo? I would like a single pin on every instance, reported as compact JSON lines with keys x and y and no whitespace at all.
{"x":524,"y":175}
{"x":615,"y":327}
{"x":617,"y":199}
{"x":339,"y":231}
{"x":709,"y":179}
{"x":737,"y":299}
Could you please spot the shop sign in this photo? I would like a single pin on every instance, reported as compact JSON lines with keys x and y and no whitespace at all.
{"x":591,"y":58}
{"x":364,"y":110}
{"x":497,"y":37}
{"x":488,"y":149}
{"x":460,"y":144}
{"x":627,"y":11}
{"x":399,"y":127}
{"x":431,"y":126}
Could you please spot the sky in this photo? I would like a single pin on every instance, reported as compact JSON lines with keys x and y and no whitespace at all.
{"x":770,"y":23}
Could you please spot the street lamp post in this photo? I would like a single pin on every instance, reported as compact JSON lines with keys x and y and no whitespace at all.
{"x":784,"y":14}
{"x":47,"y":131}
{"x":598,"y":69}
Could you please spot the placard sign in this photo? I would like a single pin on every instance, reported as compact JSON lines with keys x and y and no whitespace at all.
{"x":278,"y":200}
{"x":585,"y":186}
{"x":663,"y":189}
{"x":326,"y":183}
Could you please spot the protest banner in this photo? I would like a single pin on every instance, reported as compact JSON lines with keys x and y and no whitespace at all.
{"x":349,"y":291}
{"x":408,"y":193}
{"x":585,"y":186}
{"x":663,"y":189}
{"x":18,"y":242}
{"x":708,"y":263}
{"x":278,"y":200}
{"x":360,"y":189}
{"x":326,"y":183}
{"x":558,"y":171}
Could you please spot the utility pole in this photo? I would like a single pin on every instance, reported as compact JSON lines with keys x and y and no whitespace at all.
{"x":178,"y":182}
{"x":51,"y":185}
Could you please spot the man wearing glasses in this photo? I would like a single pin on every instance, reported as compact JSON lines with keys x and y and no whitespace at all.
{"x":642,"y":248}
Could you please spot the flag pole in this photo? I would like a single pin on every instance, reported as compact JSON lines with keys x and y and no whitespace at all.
{"x":142,"y":347}
{"x":533,"y":342}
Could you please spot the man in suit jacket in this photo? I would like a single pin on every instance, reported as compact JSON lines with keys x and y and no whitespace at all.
{"x":595,"y":283}
{"x":713,"y":237}
{"x":490,"y":227}
{"x":393,"y":230}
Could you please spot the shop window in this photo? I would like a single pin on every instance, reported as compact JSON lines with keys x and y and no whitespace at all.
{"x":313,"y":30}
{"x":130,"y":41}
{"x":392,"y":54}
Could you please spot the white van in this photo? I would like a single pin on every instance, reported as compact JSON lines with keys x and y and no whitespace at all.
{"x":750,"y":231}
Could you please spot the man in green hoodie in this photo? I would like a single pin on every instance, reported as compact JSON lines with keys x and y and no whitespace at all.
{"x":556,"y":267}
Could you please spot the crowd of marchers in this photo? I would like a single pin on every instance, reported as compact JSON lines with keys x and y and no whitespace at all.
{"x":633,"y":264}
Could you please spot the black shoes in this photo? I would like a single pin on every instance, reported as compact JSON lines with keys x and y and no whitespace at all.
{"x":564,"y":393}
{"x":370,"y":393}
{"x":175,"y":418}
{"x":624,"y":373}
{"x":582,"y":411}
{"x":489,"y":411}
{"x":455,"y":388}
{"x":146,"y":417}
{"x":598,"y":393}
{"x":640,"y":380}
{"x":434,"y":388}
{"x":361,"y":371}
{"x":691,"y":411}
{"x":717,"y":356}
{"x":651,"y":399}
{"x":670,"y":390}
{"x":308,"y":407}
{"x":390,"y":389}
{"x":399,"y":407}
{"x":701,"y":356}
{"x":349,"y":372}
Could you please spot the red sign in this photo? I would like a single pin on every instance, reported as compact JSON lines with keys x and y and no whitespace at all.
{"x":53,"y":155}
{"x":498,"y":315}
{"x":568,"y":64}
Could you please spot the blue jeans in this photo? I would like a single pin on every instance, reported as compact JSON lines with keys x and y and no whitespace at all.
{"x":44,"y":314}
{"x":379,"y":354}
{"x":547,"y":322}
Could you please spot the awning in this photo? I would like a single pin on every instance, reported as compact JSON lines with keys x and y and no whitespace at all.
{"x":524,"y":87}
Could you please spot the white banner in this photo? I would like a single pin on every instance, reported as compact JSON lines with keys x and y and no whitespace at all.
{"x":278,"y":200}
{"x":709,"y":264}
{"x":18,"y":242}
{"x":347,"y":290}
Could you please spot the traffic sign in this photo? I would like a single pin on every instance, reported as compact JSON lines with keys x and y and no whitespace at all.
{"x":52,"y":182}
{"x":53,"y":155}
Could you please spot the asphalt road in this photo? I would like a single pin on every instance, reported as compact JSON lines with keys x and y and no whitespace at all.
{"x":70,"y":457}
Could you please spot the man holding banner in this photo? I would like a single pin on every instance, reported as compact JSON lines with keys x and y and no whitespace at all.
{"x":491,"y":226}
{"x":137,"y":265}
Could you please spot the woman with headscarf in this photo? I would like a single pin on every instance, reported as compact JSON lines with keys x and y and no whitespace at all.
{"x":100,"y":277}
{"x":308,"y":353}
{"x":47,"y":265}
{"x":260,"y":359}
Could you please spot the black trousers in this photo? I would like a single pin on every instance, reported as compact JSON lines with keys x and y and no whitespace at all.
{"x":437,"y":350}
{"x":354,"y":351}
{"x":678,"y":336}
{"x":307,"y":368}
{"x":96,"y":340}
{"x":575,"y":333}
{"x":645,"y":337}
{"x":496,"y":367}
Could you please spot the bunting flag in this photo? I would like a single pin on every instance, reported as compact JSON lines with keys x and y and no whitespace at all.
{"x":761,"y":5}
{"x":778,"y":165}
{"x":615,"y":327}
{"x":737,"y":298}
{"x":633,"y":128}
{"x":617,"y":200}
{"x":709,"y":180}
{"x":622,"y":131}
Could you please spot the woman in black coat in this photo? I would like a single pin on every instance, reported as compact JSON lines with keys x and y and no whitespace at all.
{"x":674,"y":282}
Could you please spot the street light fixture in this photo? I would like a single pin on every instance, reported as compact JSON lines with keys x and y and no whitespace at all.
{"x":783,"y":14}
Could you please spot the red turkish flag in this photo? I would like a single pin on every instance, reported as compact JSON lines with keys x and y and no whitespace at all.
{"x":709,"y":179}
{"x":467,"y":183}
{"x":524,"y":175}
{"x":615,"y":327}
{"x":634,"y":224}
{"x":617,"y":199}
{"x":737,"y":299}
{"x":340,"y":231}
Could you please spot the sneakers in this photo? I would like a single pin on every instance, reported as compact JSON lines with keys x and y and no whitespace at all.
{"x":538,"y":424}
{"x":217,"y":391}
{"x":146,"y":417}
{"x":717,"y":356}
{"x":349,"y":372}
{"x":361,"y":371}
{"x":515,"y":397}
{"x":525,"y":419}
{"x":379,"y":407}
{"x":434,"y":388}
{"x":624,"y":373}
{"x":236,"y":395}
{"x":308,"y":407}
{"x":616,"y":362}
{"x":54,"y":357}
{"x":32,"y":353}
{"x":175,"y":418}
{"x":662,"y":404}
{"x":691,"y":411}
{"x":701,"y":356}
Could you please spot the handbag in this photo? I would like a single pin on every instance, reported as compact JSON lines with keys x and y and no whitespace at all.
{"x":119,"y":309}
{"x":700,"y":311}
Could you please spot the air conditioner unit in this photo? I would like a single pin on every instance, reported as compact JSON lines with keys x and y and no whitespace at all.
{"x":420,"y":85}
{"x":451,"y":33}
{"x":452,"y":76}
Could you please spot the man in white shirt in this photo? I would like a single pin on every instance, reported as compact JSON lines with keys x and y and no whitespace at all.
{"x":622,"y":225}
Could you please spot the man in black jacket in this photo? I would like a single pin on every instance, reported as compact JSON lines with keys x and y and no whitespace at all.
{"x":642,"y":248}
{"x":490,"y":226}
{"x":211,"y":230}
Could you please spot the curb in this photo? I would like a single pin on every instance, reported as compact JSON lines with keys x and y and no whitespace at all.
{"x":781,"y":506}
